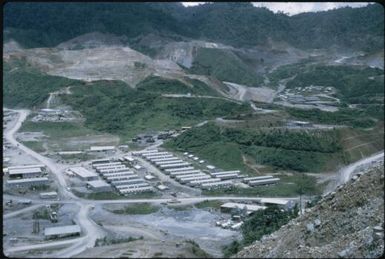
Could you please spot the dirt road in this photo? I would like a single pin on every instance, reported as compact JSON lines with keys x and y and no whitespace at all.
{"x":345,"y":173}
{"x":9,"y":136}
{"x":92,"y":230}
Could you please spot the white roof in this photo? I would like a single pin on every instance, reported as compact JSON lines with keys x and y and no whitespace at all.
{"x":132,"y":186}
{"x":269,"y":180}
{"x":159,"y":156}
{"x":217,"y":183}
{"x":226,"y":175}
{"x":145,"y":151}
{"x":26,"y":166}
{"x":149,"y":177}
{"x":128,"y":181}
{"x":186,"y":172}
{"x":108,"y":174}
{"x":193,"y":178}
{"x":28,"y":180}
{"x":257,"y":178}
{"x":210,"y":180}
{"x":121,"y":177}
{"x":169,"y":162}
{"x":112,"y":169}
{"x":139,"y":189}
{"x":129,"y":158}
{"x":174,"y":165}
{"x":69,"y":152}
{"x":162,"y":187}
{"x":82,"y":172}
{"x":164,"y":159}
{"x":101,"y":148}
{"x":98,"y":161}
{"x":48,"y":193}
{"x":71,"y":229}
{"x":275,"y":201}
{"x":210,"y":167}
{"x":106,"y":164}
{"x":155,"y":154}
{"x":242,"y":205}
{"x":25,"y":171}
{"x":98,"y":183}
{"x":179,"y":169}
{"x":137,"y":167}
{"x":227,"y":172}
{"x":191,"y":175}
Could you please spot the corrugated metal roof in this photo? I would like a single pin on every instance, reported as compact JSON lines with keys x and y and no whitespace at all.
{"x":71,"y":229}
{"x":98,"y":183}
{"x":232,"y":205}
{"x":82,"y":172}
{"x":33,"y":170}
{"x":27,"y":180}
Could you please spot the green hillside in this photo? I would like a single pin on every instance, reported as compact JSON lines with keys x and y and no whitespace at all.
{"x":238,"y":24}
{"x":114,"y":107}
{"x":299,"y":151}
{"x":26,"y":87}
{"x":355,"y":84}
{"x":225,"y":66}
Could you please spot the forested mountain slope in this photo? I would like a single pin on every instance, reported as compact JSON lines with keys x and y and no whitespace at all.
{"x":238,"y":24}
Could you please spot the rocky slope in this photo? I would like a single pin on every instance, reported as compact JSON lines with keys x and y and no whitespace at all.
{"x":345,"y":223}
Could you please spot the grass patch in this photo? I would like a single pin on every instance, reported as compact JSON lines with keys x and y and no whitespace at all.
{"x":180,"y":207}
{"x":142,"y":209}
{"x":105,"y":241}
{"x":113,"y":195}
{"x":56,"y":130}
{"x":208,"y":204}
{"x":36,"y":146}
{"x":98,"y":195}
{"x":197,"y":251}
{"x":42,"y":213}
{"x":78,"y":157}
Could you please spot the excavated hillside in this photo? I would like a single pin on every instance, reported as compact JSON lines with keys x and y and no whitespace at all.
{"x":345,"y":223}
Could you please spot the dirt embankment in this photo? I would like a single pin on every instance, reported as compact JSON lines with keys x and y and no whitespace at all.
{"x":345,"y":223}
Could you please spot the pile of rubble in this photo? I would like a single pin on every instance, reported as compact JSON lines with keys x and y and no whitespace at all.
{"x":346,"y":223}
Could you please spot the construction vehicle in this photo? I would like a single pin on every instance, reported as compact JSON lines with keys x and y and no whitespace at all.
{"x":53,"y":217}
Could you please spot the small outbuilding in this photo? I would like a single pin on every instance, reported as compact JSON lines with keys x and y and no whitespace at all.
{"x":99,"y":186}
{"x":63,"y":231}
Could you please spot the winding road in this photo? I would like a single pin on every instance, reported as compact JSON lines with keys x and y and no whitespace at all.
{"x":91,"y":230}
{"x":345,"y":173}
